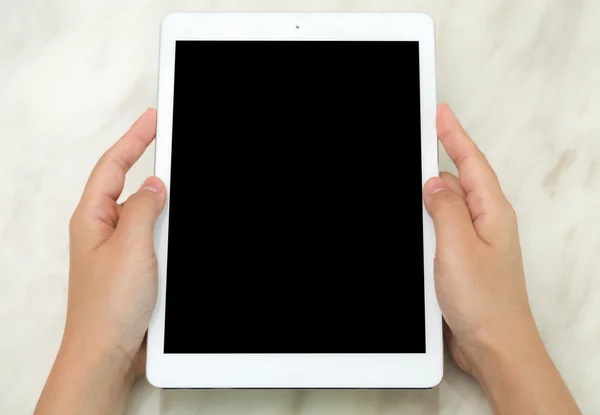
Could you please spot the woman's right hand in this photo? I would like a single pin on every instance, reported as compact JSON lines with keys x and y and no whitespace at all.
{"x":480,"y":283}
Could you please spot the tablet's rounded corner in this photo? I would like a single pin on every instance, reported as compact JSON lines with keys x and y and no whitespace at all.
{"x":437,"y":377}
{"x":153,"y":375}
{"x":170,"y":20}
{"x":427,"y":19}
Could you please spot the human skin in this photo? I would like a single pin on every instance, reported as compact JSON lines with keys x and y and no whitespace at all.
{"x":480,"y":284}
{"x":479,"y":280}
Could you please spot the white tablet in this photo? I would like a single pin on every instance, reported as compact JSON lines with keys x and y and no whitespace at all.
{"x":294,"y":250}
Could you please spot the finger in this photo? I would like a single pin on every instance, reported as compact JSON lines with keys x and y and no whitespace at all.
{"x":455,"y":351}
{"x":136,"y":224}
{"x":451,"y":219}
{"x":482,"y":189}
{"x":108,"y":176}
{"x":453,"y":182}
{"x":448,"y":335}
{"x":139,"y":363}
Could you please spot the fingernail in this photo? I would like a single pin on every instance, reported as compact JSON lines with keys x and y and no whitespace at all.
{"x":436,"y":185}
{"x":152,"y":184}
{"x":437,"y":189}
{"x":152,"y":189}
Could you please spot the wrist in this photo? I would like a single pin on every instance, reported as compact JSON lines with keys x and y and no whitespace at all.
{"x":516,"y":371}
{"x":512,"y":354}
{"x":87,"y":377}
{"x":97,"y":357}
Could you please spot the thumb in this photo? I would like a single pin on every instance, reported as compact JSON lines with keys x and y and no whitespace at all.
{"x":450,"y":214}
{"x":140,"y":211}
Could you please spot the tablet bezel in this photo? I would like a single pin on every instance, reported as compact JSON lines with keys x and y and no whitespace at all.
{"x":296,"y":370}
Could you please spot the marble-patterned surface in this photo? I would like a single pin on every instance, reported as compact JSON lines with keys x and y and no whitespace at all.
{"x":522,"y":76}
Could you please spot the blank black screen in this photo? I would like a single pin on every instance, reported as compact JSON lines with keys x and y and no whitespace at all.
{"x":295,"y":219}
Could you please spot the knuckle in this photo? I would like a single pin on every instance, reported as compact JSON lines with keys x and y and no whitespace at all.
{"x":142,"y":200}
{"x":447,"y":198}
{"x":438,"y":265}
{"x":103,"y":158}
{"x":136,"y":199}
{"x":138,"y":250}
{"x":141,"y":195}
{"x":74,"y":221}
{"x":133,"y":197}
{"x":447,"y":175}
{"x":510,"y":212}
